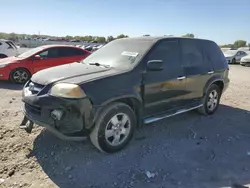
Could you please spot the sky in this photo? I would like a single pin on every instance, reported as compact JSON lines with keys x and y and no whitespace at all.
{"x":223,"y":21}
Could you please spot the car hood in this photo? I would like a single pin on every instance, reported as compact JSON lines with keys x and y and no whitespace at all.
{"x":228,"y":55}
{"x":71,"y":73}
{"x":12,"y":59}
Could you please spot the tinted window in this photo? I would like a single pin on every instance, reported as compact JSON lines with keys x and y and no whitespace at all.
{"x":0,"y":43}
{"x":168,"y":52}
{"x":68,"y":52}
{"x":191,"y":53}
{"x":192,"y":57}
{"x":214,"y":55}
{"x":50,"y":53}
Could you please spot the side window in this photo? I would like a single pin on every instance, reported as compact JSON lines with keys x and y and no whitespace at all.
{"x":50,"y":53}
{"x":167,"y":51}
{"x":79,"y":52}
{"x":69,"y":52}
{"x":191,"y":53}
{"x":0,"y":43}
{"x":242,"y":53}
{"x":192,"y":57}
{"x":44,"y":54}
{"x":213,"y":55}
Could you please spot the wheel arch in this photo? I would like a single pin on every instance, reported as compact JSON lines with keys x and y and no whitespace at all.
{"x":135,"y":103}
{"x":214,"y":80}
{"x":17,"y":69}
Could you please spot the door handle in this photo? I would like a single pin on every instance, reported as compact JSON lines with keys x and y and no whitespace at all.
{"x":181,"y":78}
{"x":210,"y":72}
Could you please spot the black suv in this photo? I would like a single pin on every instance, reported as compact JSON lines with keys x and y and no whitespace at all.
{"x":126,"y":83}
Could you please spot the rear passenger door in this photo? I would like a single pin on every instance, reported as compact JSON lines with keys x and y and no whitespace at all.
{"x":197,"y":69}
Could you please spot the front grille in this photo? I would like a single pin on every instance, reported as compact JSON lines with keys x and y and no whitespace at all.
{"x":35,"y":88}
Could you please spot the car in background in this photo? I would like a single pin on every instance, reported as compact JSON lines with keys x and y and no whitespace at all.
{"x":20,"y":68}
{"x":234,"y":56}
{"x":245,"y":61}
{"x":7,"y":48}
{"x":244,"y":49}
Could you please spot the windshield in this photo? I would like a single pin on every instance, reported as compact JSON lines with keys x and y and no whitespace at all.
{"x":30,"y":52}
{"x":231,"y":52}
{"x":121,"y":53}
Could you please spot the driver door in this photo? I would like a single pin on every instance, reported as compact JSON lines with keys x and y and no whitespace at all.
{"x":47,"y":59}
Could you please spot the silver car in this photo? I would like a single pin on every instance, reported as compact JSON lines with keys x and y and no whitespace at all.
{"x":234,"y":56}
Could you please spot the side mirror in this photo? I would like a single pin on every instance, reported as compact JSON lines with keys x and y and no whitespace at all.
{"x":155,"y":65}
{"x":37,"y":57}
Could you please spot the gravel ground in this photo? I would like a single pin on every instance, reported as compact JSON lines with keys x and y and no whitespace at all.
{"x":188,"y":150}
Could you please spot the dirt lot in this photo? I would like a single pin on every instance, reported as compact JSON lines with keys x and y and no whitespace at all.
{"x":188,"y":150}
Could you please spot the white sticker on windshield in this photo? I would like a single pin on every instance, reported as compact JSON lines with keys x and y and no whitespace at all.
{"x":132,"y":54}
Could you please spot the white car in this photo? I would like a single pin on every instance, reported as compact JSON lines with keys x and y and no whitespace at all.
{"x":7,"y":48}
{"x":245,"y":61}
{"x":234,"y":56}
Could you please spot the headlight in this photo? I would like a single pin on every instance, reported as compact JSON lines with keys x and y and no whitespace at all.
{"x":4,"y":64}
{"x":67,"y":91}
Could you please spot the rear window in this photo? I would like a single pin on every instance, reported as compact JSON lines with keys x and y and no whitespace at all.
{"x":192,"y":57}
{"x":214,"y":55}
{"x":68,"y":52}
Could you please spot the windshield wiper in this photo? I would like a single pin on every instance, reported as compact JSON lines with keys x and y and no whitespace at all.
{"x":98,"y":64}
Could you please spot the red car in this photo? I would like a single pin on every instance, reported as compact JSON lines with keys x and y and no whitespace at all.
{"x":20,"y":68}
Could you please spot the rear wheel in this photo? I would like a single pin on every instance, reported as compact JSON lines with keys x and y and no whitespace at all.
{"x":20,"y":76}
{"x":114,"y":128}
{"x":211,"y":100}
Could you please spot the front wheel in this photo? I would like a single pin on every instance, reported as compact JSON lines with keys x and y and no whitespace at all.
{"x":114,"y":128}
{"x":20,"y":76}
{"x":211,"y":100}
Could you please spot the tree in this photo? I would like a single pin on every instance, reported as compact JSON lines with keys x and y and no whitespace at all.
{"x":100,"y":39}
{"x":122,"y":36}
{"x":68,"y":37}
{"x":110,"y":38}
{"x":13,"y":37}
{"x":240,"y":43}
{"x":248,"y":44}
{"x":190,"y":35}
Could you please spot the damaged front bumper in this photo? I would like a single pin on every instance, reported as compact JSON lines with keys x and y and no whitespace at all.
{"x":68,"y":119}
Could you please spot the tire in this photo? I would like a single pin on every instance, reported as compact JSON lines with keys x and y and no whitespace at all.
{"x":233,"y":61}
{"x":108,"y":130}
{"x":3,"y":56}
{"x":20,"y":76}
{"x":208,"y":108}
